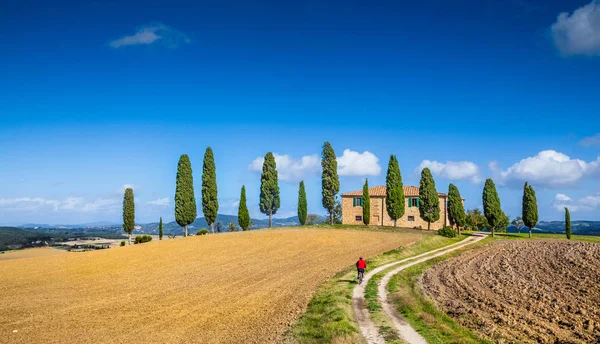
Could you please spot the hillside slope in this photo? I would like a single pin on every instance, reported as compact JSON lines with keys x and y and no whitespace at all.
{"x":244,"y":287}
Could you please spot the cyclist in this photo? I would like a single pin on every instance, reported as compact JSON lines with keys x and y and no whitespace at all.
{"x":361,"y":265}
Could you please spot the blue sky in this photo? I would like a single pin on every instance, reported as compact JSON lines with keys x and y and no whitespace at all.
{"x":101,"y":95}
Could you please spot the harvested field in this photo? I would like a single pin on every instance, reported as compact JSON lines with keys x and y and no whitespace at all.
{"x":31,"y":253}
{"x":244,"y":287}
{"x":523,"y":291}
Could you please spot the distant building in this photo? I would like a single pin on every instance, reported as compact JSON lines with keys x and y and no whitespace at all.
{"x":352,"y":209}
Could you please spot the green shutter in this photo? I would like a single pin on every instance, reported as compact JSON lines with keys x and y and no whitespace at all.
{"x":409,"y":202}
{"x":353,"y":202}
{"x":418,"y":202}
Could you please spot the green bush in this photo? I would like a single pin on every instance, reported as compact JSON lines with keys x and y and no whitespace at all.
{"x":447,"y":232}
{"x":140,"y":239}
{"x":123,"y":242}
{"x":203,"y":231}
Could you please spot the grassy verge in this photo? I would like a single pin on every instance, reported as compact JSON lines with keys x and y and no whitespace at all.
{"x":329,"y":317}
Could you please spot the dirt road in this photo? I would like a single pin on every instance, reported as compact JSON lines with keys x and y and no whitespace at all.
{"x":523,"y":291}
{"x":368,"y":329}
{"x":244,"y":287}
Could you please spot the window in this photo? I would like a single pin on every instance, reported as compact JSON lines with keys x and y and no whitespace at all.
{"x":411,"y":218}
{"x":413,"y":202}
{"x":359,"y":218}
{"x":357,"y":202}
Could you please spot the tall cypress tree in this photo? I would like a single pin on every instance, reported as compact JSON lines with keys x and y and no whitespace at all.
{"x":128,"y":212}
{"x":269,"y":188}
{"x":185,"y":202}
{"x":330,"y":182}
{"x":302,"y":205}
{"x":491,"y":206}
{"x":530,"y":209}
{"x":394,"y":201}
{"x":429,"y":201}
{"x":210,"y":202}
{"x":243,"y":215}
{"x":568,"y":223}
{"x":456,"y":210}
{"x":366,"y":204}
{"x":160,"y":229}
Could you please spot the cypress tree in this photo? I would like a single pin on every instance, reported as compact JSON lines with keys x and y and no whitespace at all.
{"x":330,"y":182}
{"x":210,"y":202}
{"x":429,"y":202}
{"x":568,"y":223}
{"x":491,"y":206}
{"x":366,"y":204}
{"x":394,"y":201}
{"x":160,"y":229}
{"x":185,"y":202}
{"x":128,"y":212}
{"x":456,"y":210}
{"x":269,"y":188}
{"x":243,"y":215}
{"x":530,"y":209}
{"x":302,"y":204}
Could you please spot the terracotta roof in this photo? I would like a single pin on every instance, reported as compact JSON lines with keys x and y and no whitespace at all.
{"x":380,"y":191}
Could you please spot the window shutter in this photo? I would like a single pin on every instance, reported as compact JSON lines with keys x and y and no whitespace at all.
{"x":353,"y":202}
{"x":409,"y":202}
{"x":418,"y":202}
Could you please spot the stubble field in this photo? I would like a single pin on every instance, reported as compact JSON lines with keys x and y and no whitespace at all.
{"x":523,"y":291}
{"x":231,"y":288}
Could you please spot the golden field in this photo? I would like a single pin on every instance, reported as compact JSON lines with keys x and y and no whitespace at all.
{"x":244,"y":287}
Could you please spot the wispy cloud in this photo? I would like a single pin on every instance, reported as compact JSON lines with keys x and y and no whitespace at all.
{"x":153,"y":34}
{"x":578,"y":33}
{"x":590,"y":141}
{"x":453,"y":170}
{"x":161,"y":202}
{"x":290,"y":169}
{"x":585,"y":204}
{"x":74,"y":204}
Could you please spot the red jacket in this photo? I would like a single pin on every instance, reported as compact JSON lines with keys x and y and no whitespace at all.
{"x":361,"y":264}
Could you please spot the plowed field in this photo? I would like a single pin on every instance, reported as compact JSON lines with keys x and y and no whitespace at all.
{"x":523,"y":291}
{"x":242,"y":287}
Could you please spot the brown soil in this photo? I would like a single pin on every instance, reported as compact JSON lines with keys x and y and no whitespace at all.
{"x":523,"y":291}
{"x":244,"y":287}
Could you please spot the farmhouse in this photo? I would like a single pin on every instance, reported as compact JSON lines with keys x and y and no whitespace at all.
{"x":352,"y":209}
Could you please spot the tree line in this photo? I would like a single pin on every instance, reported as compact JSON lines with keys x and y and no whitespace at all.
{"x":492,"y":218}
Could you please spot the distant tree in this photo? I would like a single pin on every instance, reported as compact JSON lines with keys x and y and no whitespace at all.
{"x":337,"y":211}
{"x":210,"y":201}
{"x":330,"y":182}
{"x":568,"y":223}
{"x":518,"y":223}
{"x":429,"y":201}
{"x":231,"y":227}
{"x":491,"y":206}
{"x":269,"y":188}
{"x":312,"y":219}
{"x":456,"y":210}
{"x":243,"y":215}
{"x":219,"y":225}
{"x":128,"y":212}
{"x":160,"y":229}
{"x":475,"y":220}
{"x":302,"y":204}
{"x":503,"y":224}
{"x":366,"y":204}
{"x":185,"y":202}
{"x":530,"y":208}
{"x":394,"y":201}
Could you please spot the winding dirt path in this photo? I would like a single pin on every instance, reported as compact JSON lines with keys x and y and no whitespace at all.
{"x":367,"y":328}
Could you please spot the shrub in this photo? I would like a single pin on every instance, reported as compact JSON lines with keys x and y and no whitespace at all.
{"x":203,"y":231}
{"x":123,"y":242}
{"x":447,"y":232}
{"x":140,"y":239}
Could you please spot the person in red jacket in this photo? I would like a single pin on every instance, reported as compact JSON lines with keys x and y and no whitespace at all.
{"x":361,"y":265}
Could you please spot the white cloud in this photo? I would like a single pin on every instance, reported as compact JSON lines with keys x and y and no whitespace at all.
{"x":289,"y":169}
{"x":75,"y":204}
{"x":590,"y":141}
{"x":161,"y":202}
{"x":154,"y":33}
{"x":453,"y":170}
{"x":578,"y":33}
{"x":585,"y":204}
{"x":548,"y":168}
{"x":353,"y":163}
